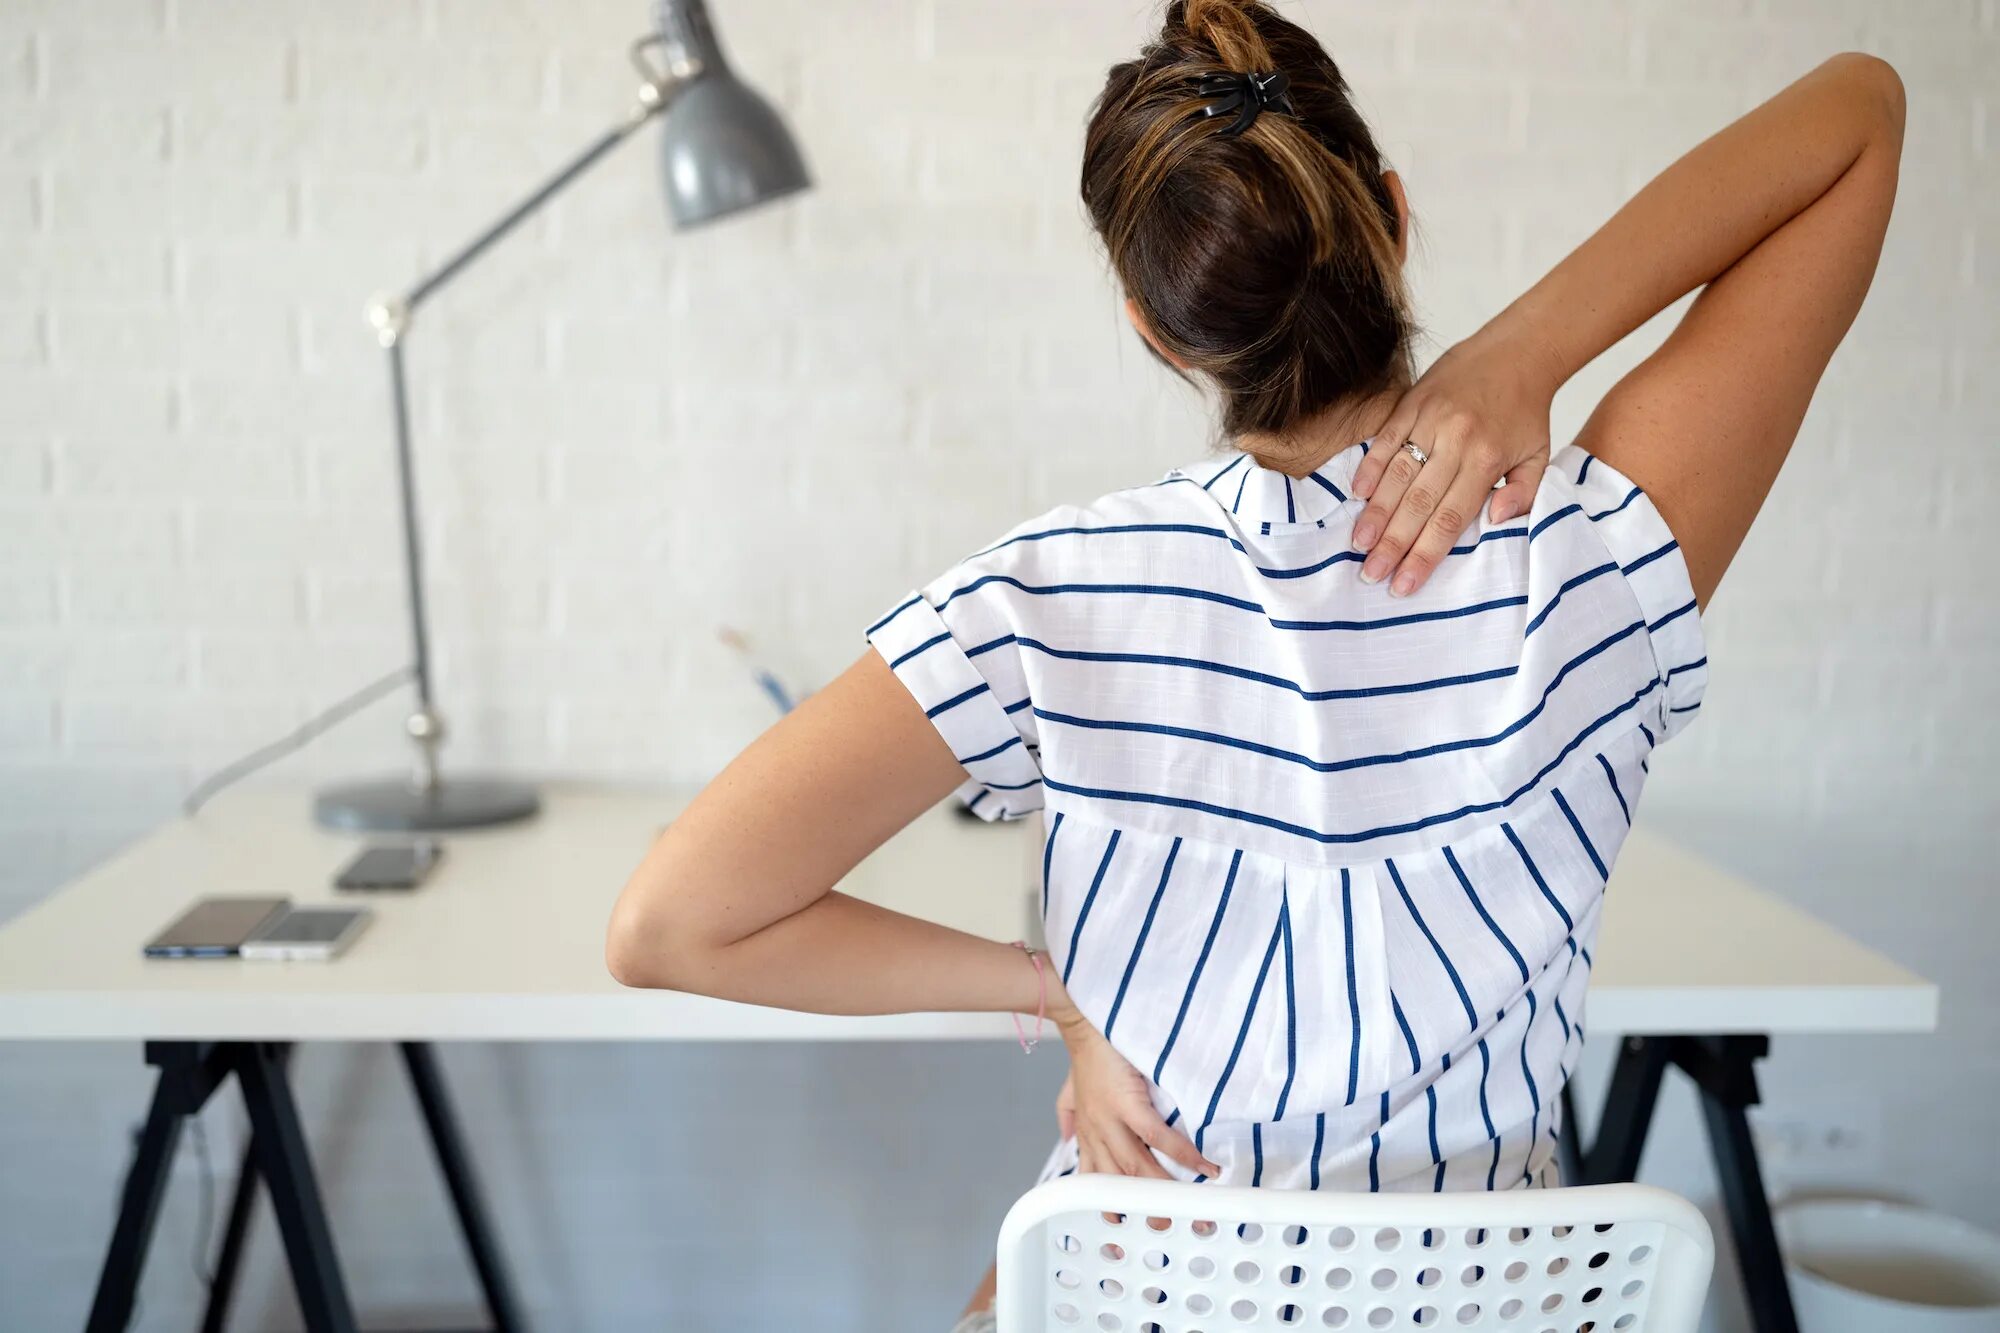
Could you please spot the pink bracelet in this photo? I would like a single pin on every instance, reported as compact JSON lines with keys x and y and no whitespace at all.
{"x":1028,"y":1043}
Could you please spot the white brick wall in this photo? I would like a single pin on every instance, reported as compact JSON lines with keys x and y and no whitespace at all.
{"x":196,"y":197}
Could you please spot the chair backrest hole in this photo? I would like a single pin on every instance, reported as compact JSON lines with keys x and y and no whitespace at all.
{"x":1199,"y":1304}
{"x":1111,"y":1287}
{"x":1155,"y":1260}
{"x":1383,"y":1279}
{"x":1249,"y":1233}
{"x":1381,"y":1317}
{"x":1643,"y":1253}
{"x":1291,"y":1275}
{"x":1340,"y":1279}
{"x":1341,"y":1238}
{"x":1243,"y":1311}
{"x":1201,"y":1266}
{"x":1247,"y":1272}
{"x":1294,"y":1236}
{"x":1467,"y":1313}
{"x":1515,"y":1271}
{"x":1557,"y":1265}
{"x":1429,"y":1277}
{"x":1335,"y":1316}
{"x":1387,"y":1239}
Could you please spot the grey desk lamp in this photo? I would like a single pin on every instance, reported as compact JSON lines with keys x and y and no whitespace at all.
{"x":724,"y":150}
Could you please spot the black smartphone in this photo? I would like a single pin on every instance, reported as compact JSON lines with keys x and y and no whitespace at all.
{"x":215,"y":927}
{"x":402,"y":865}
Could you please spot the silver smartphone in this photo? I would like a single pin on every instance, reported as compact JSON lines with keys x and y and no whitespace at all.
{"x":310,"y":934}
{"x":216,"y":927}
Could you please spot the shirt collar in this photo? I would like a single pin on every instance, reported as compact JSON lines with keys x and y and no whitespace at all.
{"x":1262,"y":496}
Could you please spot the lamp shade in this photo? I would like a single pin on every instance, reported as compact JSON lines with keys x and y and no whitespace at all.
{"x":723,"y":147}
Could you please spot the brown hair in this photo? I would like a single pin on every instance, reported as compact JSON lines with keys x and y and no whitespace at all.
{"x":1268,"y":261}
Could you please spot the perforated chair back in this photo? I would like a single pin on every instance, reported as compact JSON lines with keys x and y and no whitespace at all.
{"x":1108,"y":1254}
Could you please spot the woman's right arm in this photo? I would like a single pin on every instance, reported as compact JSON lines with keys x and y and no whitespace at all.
{"x":1779,"y":218}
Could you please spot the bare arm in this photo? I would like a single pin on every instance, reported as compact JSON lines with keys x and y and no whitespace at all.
{"x":1780,"y":217}
{"x":736,"y":900}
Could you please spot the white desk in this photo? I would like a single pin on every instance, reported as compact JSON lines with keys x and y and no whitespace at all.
{"x":506,"y":942}
{"x":1696,"y":967}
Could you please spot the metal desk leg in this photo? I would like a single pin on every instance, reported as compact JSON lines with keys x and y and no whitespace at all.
{"x":456,"y":1164}
{"x":278,"y":1143}
{"x":1725,"y":1073}
{"x":145,"y":1187}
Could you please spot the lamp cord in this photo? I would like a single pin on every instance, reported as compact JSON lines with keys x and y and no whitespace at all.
{"x":313,"y":728}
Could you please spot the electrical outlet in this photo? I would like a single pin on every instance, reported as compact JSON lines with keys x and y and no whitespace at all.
{"x":1833,"y":1134}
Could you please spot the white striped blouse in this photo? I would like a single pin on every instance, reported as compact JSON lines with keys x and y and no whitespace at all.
{"x":1324,"y":864}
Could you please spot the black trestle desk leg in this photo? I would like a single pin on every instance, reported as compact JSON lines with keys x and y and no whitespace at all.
{"x":222,"y":1284}
{"x":139,"y":1207}
{"x":279,"y":1145}
{"x":1725,"y":1103}
{"x":1569,"y":1148}
{"x":1628,"y":1112}
{"x":456,"y":1164}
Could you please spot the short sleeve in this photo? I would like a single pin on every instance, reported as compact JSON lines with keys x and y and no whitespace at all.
{"x":1649,"y":557}
{"x":954,"y":646}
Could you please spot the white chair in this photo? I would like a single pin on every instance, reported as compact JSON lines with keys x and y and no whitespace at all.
{"x":1109,"y":1254}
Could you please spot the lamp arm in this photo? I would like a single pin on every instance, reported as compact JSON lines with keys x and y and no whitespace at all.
{"x":391,"y":319}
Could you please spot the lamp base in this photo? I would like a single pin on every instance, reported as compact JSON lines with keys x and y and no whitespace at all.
{"x":392,"y":805}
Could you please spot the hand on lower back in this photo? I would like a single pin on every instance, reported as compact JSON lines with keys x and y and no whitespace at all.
{"x":1108,"y":1106}
{"x":1478,"y":415}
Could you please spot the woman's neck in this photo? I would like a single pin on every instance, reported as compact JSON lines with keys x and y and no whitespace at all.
{"x":1305,"y":450}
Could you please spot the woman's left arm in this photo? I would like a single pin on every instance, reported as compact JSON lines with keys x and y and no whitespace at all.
{"x":735,"y":899}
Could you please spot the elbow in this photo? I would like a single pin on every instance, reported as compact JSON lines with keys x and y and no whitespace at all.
{"x":638,"y":949}
{"x":1880,"y":85}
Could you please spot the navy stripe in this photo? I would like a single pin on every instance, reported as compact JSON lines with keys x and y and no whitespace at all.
{"x":1430,"y":1092}
{"x":1586,"y":957}
{"x":1239,"y":459}
{"x":1048,"y":853}
{"x":1012,"y":786}
{"x":1695,"y":665}
{"x":1536,"y":874}
{"x":1322,"y":836}
{"x":1047,"y":533}
{"x":1561,"y":1017}
{"x":1359,"y":761}
{"x":1194,"y":978}
{"x":1553,"y":519}
{"x":1356,"y":557}
{"x":1236,"y":505}
{"x":1243,"y":1030}
{"x":1486,"y":1115}
{"x":1612,"y":778}
{"x":927,"y":644}
{"x":1054,"y":589}
{"x":1291,"y":510}
{"x":1375,"y":1147}
{"x":1450,"y":971}
{"x":1581,"y":836}
{"x":1630,"y":496}
{"x":1014,"y":708}
{"x":956,"y":700}
{"x":1584,"y":471}
{"x":1391,"y":622}
{"x":1671,"y":616}
{"x":1291,"y":1007}
{"x":1649,"y":557}
{"x":1487,"y":916}
{"x":1534,"y":1095}
{"x":1257,"y":1154}
{"x":1555,"y":601}
{"x":901,"y":607}
{"x":990,"y":645}
{"x":1175,"y":1116}
{"x":1329,"y":487}
{"x":1083,"y":913}
{"x":1409,"y":1038}
{"x":1353,"y":1000}
{"x":977,"y":797}
{"x":1319,"y":1141}
{"x":1007,"y":744}
{"x":1685,"y":708}
{"x":1139,"y":945}
{"x":1647,"y":732}
{"x":1263,"y":678}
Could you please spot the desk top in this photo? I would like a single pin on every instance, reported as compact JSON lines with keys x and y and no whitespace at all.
{"x":506,"y":940}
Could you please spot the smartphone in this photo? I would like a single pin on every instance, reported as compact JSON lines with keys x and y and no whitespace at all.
{"x":215,"y":927}
{"x":307,"y":933}
{"x":391,"y":866}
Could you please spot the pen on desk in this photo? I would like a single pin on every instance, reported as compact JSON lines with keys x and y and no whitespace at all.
{"x":766,"y":681}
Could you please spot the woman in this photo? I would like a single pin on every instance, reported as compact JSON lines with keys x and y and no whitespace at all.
{"x":1335,"y":742}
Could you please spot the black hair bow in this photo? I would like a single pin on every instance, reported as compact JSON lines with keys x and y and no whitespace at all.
{"x":1246,"y":96}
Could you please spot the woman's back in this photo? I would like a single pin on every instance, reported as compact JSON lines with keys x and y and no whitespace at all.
{"x":1324,"y":864}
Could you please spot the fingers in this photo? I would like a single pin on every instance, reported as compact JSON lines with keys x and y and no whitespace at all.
{"x":1517,"y":497}
{"x":1398,"y":473}
{"x":1386,"y":443}
{"x":1448,"y":522}
{"x":1418,"y":498}
{"x":1066,"y":1108}
{"x":1171,"y":1143}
